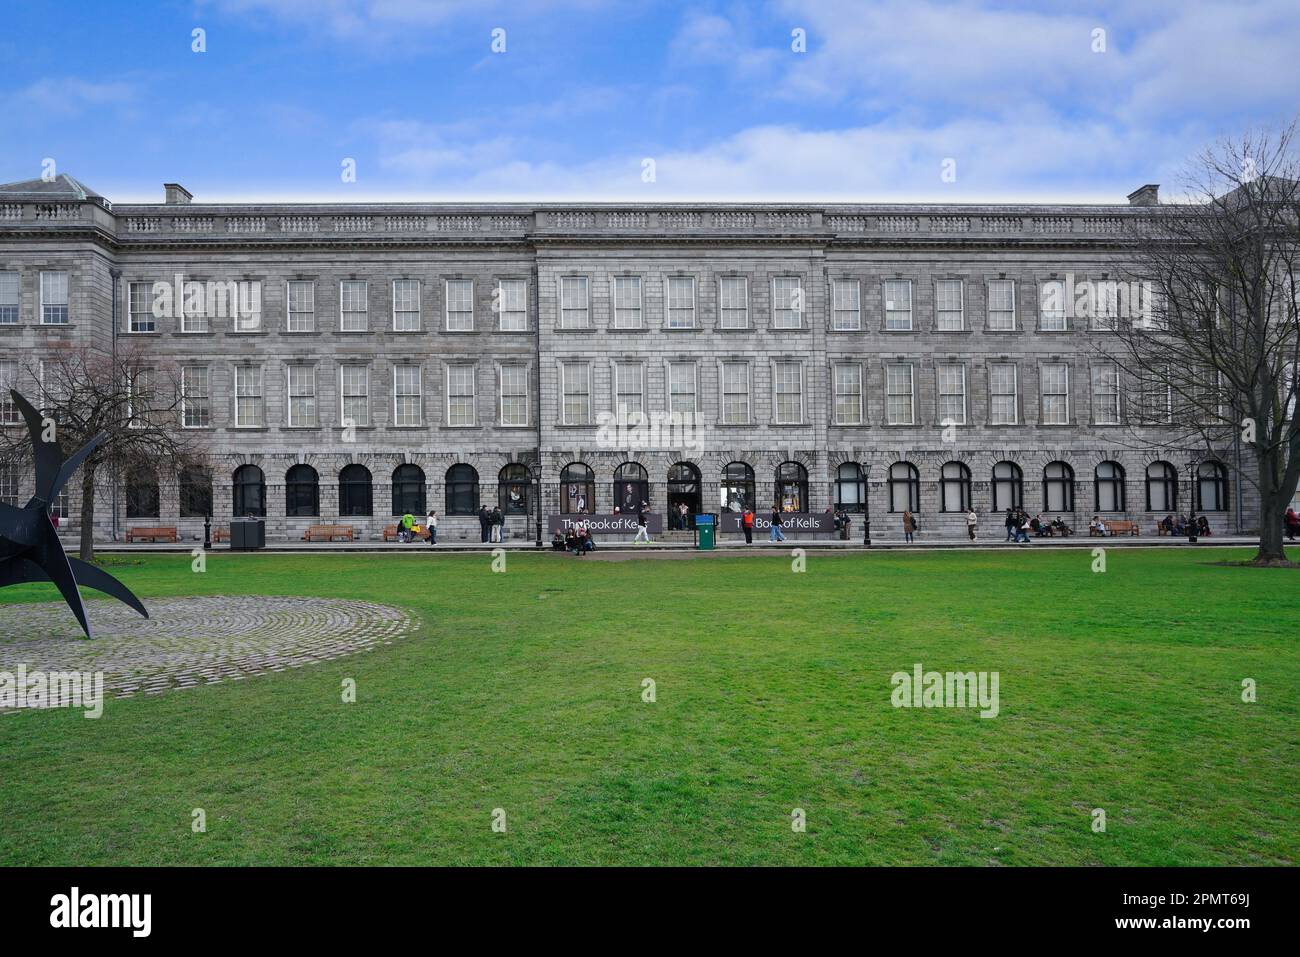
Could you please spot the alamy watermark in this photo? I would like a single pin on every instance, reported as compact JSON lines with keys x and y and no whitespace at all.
{"x":951,"y":689}
{"x":53,"y":689}
{"x":658,"y":430}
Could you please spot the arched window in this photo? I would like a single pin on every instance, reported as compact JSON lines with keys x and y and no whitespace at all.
{"x":408,"y":489}
{"x":355,"y":494}
{"x":462,"y":490}
{"x":791,"y":487}
{"x":1211,"y":487}
{"x":195,"y":492}
{"x":577,"y":489}
{"x":851,"y":487}
{"x":904,"y":488}
{"x":301,"y":492}
{"x":1058,"y":487}
{"x":1109,"y":485}
{"x":513,"y":486}
{"x":249,"y":492}
{"x":954,"y":487}
{"x":631,"y":487}
{"x":141,"y":493}
{"x":1008,"y":486}
{"x":683,"y":489}
{"x":1162,"y":488}
{"x":736,"y":490}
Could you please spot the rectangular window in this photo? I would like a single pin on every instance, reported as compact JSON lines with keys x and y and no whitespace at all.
{"x":354,"y":395}
{"x":512,"y":305}
{"x":848,"y":394}
{"x":951,"y":379}
{"x":1002,"y":305}
{"x":1004,"y":398}
{"x":1051,"y":306}
{"x":301,"y":312}
{"x":8,"y":380}
{"x":1056,"y":394}
{"x":301,"y":386}
{"x":846,"y":299}
{"x":788,"y":392}
{"x":248,"y":306}
{"x":9,"y":484}
{"x":900,"y":409}
{"x":196,"y":397}
{"x":514,"y":395}
{"x":140,"y":307}
{"x":1105,"y":304}
{"x":575,"y":305}
{"x":248,"y":397}
{"x":575,"y":388}
{"x":1156,"y":396}
{"x":139,"y":398}
{"x":1105,"y":394}
{"x":681,"y":302}
{"x":460,"y":305}
{"x":54,"y":298}
{"x":354,"y":305}
{"x":462,"y":395}
{"x":194,"y":306}
{"x":948,"y":302}
{"x":733,"y":302}
{"x":787,"y":302}
{"x":735,"y":393}
{"x":627,"y":302}
{"x":898,"y":304}
{"x":407,"y":401}
{"x":406,"y":305}
{"x":682,"y":390}
{"x":8,"y":298}
{"x":629,"y":391}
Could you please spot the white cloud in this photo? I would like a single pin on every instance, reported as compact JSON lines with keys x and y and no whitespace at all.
{"x":71,"y":95}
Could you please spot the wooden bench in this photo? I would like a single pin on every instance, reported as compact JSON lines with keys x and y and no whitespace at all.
{"x":328,"y":533}
{"x":221,"y":534}
{"x":1160,"y":528}
{"x":1121,"y":527}
{"x":153,"y":533}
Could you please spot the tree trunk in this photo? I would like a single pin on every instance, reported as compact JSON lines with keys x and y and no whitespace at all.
{"x":1272,"y":505}
{"x":88,"y":512}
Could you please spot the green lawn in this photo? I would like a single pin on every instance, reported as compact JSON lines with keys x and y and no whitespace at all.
{"x":522,"y":691}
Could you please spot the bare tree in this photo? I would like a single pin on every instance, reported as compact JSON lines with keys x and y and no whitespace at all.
{"x":1214,"y":352}
{"x":132,"y":398}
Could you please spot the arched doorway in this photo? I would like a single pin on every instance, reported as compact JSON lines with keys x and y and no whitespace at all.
{"x":683,"y":489}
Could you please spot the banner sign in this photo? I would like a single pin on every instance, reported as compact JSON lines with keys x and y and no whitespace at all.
{"x":597,"y":525}
{"x":791,"y":522}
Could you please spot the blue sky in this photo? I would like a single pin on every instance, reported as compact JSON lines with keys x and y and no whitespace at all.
{"x":587,"y":90}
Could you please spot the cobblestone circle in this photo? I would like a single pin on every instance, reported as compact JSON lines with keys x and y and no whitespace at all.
{"x":190,"y":641}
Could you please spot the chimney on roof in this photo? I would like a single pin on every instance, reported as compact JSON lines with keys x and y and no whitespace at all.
{"x":178,"y":195}
{"x":1148,"y":195}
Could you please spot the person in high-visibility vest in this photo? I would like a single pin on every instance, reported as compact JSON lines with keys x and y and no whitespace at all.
{"x":408,"y":524}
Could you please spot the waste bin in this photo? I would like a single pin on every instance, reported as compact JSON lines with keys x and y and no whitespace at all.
{"x":705,"y":529}
{"x":247,"y":534}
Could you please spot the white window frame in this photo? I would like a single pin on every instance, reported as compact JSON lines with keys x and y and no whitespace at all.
{"x":896,"y":319}
{"x":462,"y":397}
{"x":464,"y":317}
{"x":940,"y":312}
{"x":1112,"y":406}
{"x":512,"y":369}
{"x":1014,"y":394}
{"x":1053,"y":321}
{"x":623,"y":414}
{"x":619,"y":312}
{"x":727,"y":308}
{"x":259,"y":396}
{"x":151,"y":323}
{"x":990,"y":311}
{"x":290,"y":312}
{"x":783,"y":308}
{"x":846,"y":316}
{"x":504,"y":308}
{"x":569,"y":310}
{"x":403,"y":370}
{"x":566,"y":390}
{"x":252,"y":322}
{"x":670,"y":308}
{"x":10,"y":280}
{"x":688,"y":415}
{"x":777,"y":379}
{"x":406,"y":324}
{"x":1043,"y":393}
{"x":725,"y":416}
{"x":364,"y":311}
{"x":67,"y":295}
{"x":910,"y":393}
{"x":344,"y":419}
{"x":940,"y":395}
{"x":294,"y":396}
{"x":838,"y":394}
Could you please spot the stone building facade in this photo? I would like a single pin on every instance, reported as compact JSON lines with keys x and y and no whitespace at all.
{"x":877,"y":357}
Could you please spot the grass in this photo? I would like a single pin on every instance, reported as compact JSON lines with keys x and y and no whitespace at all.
{"x":522,"y":691}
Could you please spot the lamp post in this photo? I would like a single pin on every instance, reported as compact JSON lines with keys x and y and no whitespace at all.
{"x":535,"y":473}
{"x":1191,"y":500}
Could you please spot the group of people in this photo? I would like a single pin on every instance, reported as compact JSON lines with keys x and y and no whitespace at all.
{"x":1020,"y":526}
{"x":578,"y":541}
{"x":491,"y":524}
{"x":408,"y":529}
{"x":1181,"y":524}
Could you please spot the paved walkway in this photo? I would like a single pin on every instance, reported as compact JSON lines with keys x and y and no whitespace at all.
{"x":197,"y":640}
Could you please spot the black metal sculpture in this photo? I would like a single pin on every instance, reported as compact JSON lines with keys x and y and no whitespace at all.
{"x":30,"y":550}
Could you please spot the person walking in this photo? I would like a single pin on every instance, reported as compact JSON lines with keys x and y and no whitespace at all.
{"x":1292,"y":524}
{"x":778,"y":533}
{"x":972,"y":520}
{"x":747,"y":523}
{"x":431,"y":523}
{"x":1012,"y":525}
{"x":683,"y":512}
{"x":642,"y":529}
{"x":909,"y":527}
{"x":845,"y":521}
{"x":1022,"y":533}
{"x":484,"y":524}
{"x":404,"y":531}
